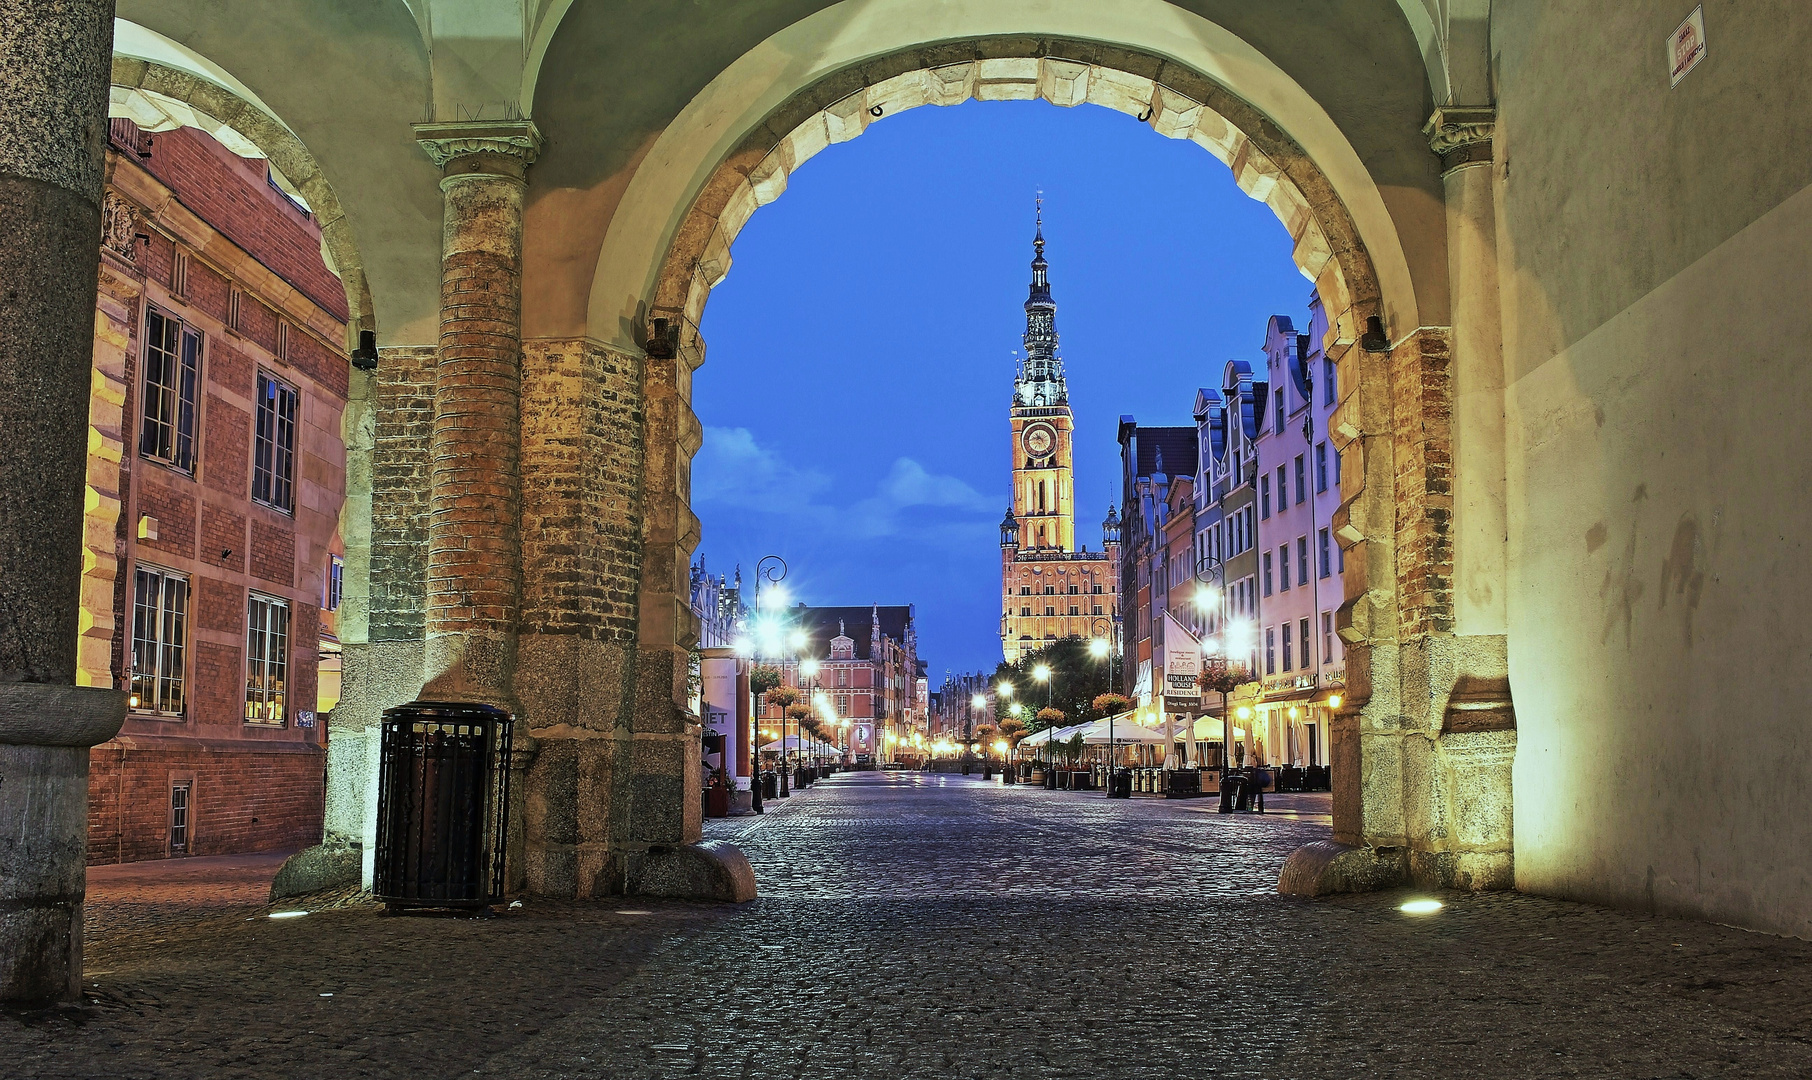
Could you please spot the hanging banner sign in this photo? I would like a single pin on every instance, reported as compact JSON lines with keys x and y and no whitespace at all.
{"x":1182,"y":663}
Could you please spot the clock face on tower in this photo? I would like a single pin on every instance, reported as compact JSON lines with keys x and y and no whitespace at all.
{"x":1039,"y":439}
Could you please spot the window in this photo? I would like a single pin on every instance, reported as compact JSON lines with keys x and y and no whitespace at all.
{"x":1264,"y":497}
{"x":179,"y":817}
{"x":1025,"y":612}
{"x":1288,"y":651}
{"x":336,"y":576}
{"x":1097,"y":610}
{"x":1336,"y":467}
{"x":1328,"y":394}
{"x":1302,"y":630}
{"x":1321,"y":554}
{"x":1050,"y":611}
{"x":160,"y":623}
{"x":1270,"y":650}
{"x":1050,"y":590}
{"x":1283,"y":568}
{"x":1302,"y":480}
{"x":1095,"y":589}
{"x":1302,"y":560}
{"x":1267,"y":573}
{"x":1074,"y":610}
{"x":172,"y":357}
{"x":1327,"y":635}
{"x":1283,"y":490}
{"x":1025,"y":590}
{"x":266,"y":659}
{"x":274,"y":457}
{"x":1280,"y":412}
{"x":1340,"y":558}
{"x":1074,"y":589}
{"x":1321,"y":467}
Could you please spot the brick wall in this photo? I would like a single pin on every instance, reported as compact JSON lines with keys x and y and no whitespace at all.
{"x":216,"y":684}
{"x":273,"y":553}
{"x":226,"y":448}
{"x":400,"y":466}
{"x":175,"y":514}
{"x":239,"y":801}
{"x":258,"y":324}
{"x":230,"y":369}
{"x":1421,"y":407}
{"x":234,"y":196}
{"x":219,"y":605}
{"x":581,"y":514}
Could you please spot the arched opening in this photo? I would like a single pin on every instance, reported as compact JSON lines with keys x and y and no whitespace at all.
{"x":653,"y":282}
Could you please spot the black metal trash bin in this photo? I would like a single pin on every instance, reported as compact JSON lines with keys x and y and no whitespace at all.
{"x":1119,"y":784}
{"x":443,"y":805}
{"x":770,"y":785}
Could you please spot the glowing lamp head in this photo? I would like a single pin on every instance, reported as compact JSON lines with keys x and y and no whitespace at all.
{"x":1245,"y":712}
{"x":1333,"y":701}
{"x":1006,"y":689}
{"x":978,"y":702}
{"x":1206,"y":596}
{"x":809,"y":669}
{"x":1097,"y":648}
{"x":1042,"y":672}
{"x":1000,"y":746}
{"x":797,"y":639}
{"x":1211,"y":646}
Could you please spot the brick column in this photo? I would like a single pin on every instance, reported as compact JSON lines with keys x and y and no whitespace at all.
{"x":54,"y":61}
{"x":475,"y":506}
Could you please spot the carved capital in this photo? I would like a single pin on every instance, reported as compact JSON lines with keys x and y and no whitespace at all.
{"x":499,"y":148}
{"x":1461,"y":135}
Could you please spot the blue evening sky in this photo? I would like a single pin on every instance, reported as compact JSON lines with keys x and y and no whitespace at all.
{"x":860,"y":353}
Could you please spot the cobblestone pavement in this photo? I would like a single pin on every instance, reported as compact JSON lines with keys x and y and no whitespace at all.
{"x":913,"y":926}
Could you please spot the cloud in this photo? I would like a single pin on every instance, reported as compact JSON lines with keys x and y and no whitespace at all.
{"x":733,"y":471}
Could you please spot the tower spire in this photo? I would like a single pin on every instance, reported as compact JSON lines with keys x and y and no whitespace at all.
{"x":1040,"y":379}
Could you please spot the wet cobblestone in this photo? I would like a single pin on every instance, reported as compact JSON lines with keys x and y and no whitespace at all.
{"x":919,"y":926}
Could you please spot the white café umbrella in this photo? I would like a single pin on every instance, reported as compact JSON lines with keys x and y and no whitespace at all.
{"x":1124,"y":729}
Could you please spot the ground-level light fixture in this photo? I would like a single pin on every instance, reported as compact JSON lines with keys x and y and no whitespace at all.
{"x":287,"y":914}
{"x":1421,"y":907}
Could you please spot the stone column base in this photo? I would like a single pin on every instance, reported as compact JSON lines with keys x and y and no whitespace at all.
{"x":1325,"y":867}
{"x":708,"y":870}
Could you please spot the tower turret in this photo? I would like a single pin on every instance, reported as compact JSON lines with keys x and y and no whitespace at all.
{"x":1009,"y":530}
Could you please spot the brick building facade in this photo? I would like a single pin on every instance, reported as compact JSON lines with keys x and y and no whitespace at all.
{"x":216,"y":476}
{"x":869,"y":681}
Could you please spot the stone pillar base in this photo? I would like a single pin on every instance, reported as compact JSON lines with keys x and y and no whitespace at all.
{"x":1325,"y":867}
{"x":708,"y":870}
{"x":1468,"y":871}
{"x":44,"y":816}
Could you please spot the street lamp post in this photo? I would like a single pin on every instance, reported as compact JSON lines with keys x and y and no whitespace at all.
{"x":1101,"y":649}
{"x":1043,"y":674}
{"x":771,"y":569}
{"x":976,"y":705}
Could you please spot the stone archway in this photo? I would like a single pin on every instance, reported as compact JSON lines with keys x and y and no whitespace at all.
{"x":1418,"y":794}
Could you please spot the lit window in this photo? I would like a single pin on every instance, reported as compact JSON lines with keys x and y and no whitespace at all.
{"x":160,"y":621}
{"x":266,"y":659}
{"x":172,"y":362}
{"x":336,"y":575}
{"x":274,"y":454}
